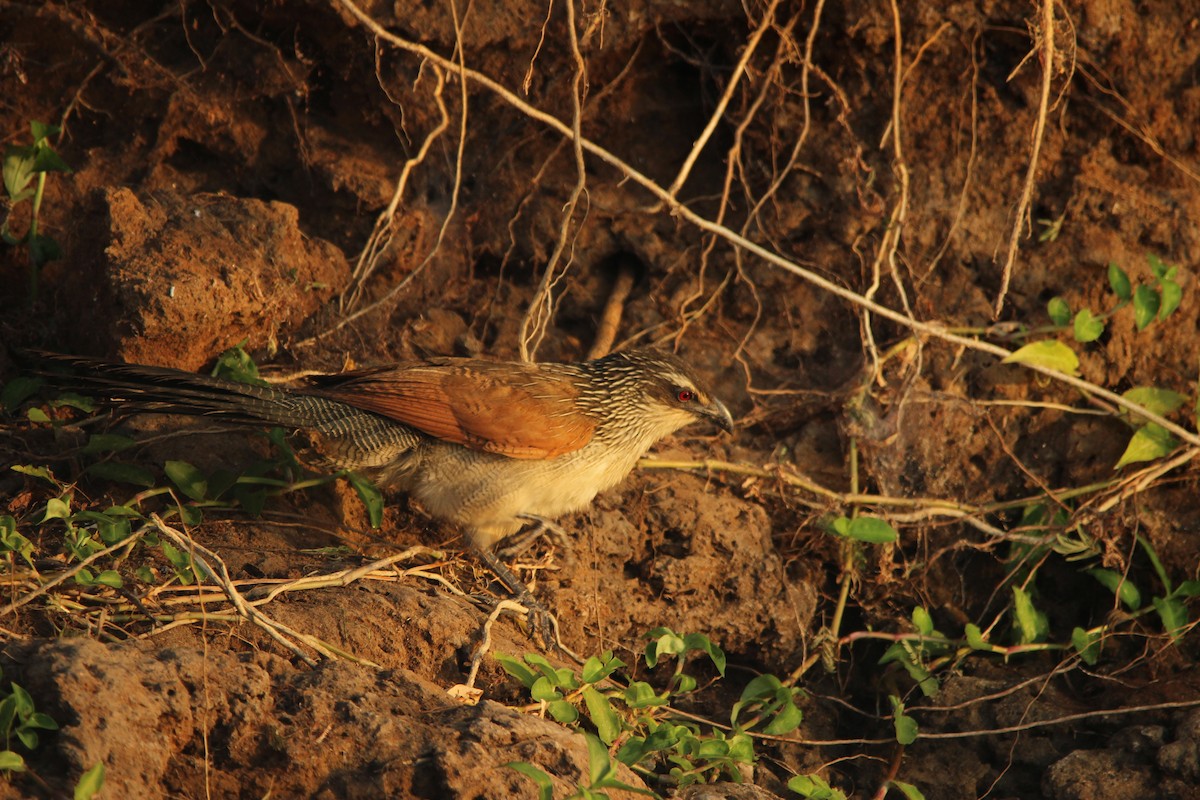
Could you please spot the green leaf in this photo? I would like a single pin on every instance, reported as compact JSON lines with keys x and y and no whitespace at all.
{"x":602,"y":715}
{"x":814,"y":787}
{"x":1173,"y":614}
{"x":106,"y":443}
{"x":786,"y":720}
{"x":1087,"y":645}
{"x":18,"y":170}
{"x":57,"y":508}
{"x":600,"y":766}
{"x":975,"y":638}
{"x":545,"y":786}
{"x":1145,"y":306}
{"x":43,"y":130}
{"x":1155,"y":561}
{"x":119,"y":472}
{"x":1049,"y":353}
{"x":1119,"y":282}
{"x":1115,"y":582}
{"x":1159,"y":267}
{"x":11,"y":762}
{"x":1059,"y":311}
{"x":17,"y":391}
{"x":235,"y":364}
{"x":640,"y":694}
{"x":371,"y":497}
{"x":871,"y":530}
{"x":47,"y":160}
{"x":1155,"y":400}
{"x":110,"y":577}
{"x":90,"y":783}
{"x":187,"y":478}
{"x":1148,"y":442}
{"x":562,"y":711}
{"x":922,"y":621}
{"x":701,"y":643}
{"x":909,"y":791}
{"x":517,"y":669}
{"x":37,"y":415}
{"x":663,"y":642}
{"x":905,"y":726}
{"x":1087,"y":326}
{"x":1031,"y":623}
{"x":1172,"y":295}
{"x":1188,"y":589}
{"x":544,"y":690}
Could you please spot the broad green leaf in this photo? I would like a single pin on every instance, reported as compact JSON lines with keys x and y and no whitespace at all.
{"x":922,"y":621}
{"x":906,"y":726}
{"x":786,"y":720}
{"x":871,"y":530}
{"x":1155,"y":561}
{"x":106,"y":443}
{"x":1173,"y":614}
{"x":57,"y":508}
{"x":562,"y":711}
{"x":121,"y":473}
{"x":1059,"y":311}
{"x":1031,"y":623}
{"x":1172,"y":295}
{"x":600,"y":711}
{"x":545,"y":786}
{"x":1123,"y":588}
{"x":17,"y":391}
{"x":1087,"y":645}
{"x":701,"y":643}
{"x":90,"y":783}
{"x":814,"y":787}
{"x":975,"y":638}
{"x":1145,"y":306}
{"x":1148,"y":442}
{"x":1087,"y":327}
{"x":11,"y":762}
{"x":187,"y":479}
{"x":1119,"y":282}
{"x":1155,"y":400}
{"x":909,"y":791}
{"x":1049,"y":353}
{"x":40,"y":131}
{"x":37,"y":415}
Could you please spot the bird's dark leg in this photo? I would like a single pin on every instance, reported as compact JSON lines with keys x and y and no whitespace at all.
{"x":523,"y":539}
{"x":541,"y":620}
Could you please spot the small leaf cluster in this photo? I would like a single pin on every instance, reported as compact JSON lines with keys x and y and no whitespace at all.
{"x":1151,"y":301}
{"x":1030,"y":624}
{"x":20,"y":719}
{"x":87,"y":532}
{"x":22,"y":165}
{"x":634,"y":722}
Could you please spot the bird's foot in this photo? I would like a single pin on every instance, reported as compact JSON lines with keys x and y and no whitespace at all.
{"x":543,"y":625}
{"x":522,"y":540}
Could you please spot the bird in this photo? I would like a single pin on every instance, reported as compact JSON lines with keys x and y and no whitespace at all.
{"x":486,"y":445}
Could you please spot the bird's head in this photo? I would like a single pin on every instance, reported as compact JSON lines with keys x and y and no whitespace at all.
{"x":660,"y":389}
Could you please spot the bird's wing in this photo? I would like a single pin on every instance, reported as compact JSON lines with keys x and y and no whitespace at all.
{"x":515,"y":410}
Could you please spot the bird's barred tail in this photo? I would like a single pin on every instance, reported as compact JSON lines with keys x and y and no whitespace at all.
{"x":162,"y":390}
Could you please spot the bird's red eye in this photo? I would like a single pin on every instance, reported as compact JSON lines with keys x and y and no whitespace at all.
{"x":685,"y":395}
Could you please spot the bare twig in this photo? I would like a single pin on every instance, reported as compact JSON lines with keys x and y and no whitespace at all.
{"x":1039,"y":128}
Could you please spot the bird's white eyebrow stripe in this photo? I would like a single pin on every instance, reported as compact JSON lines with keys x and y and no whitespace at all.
{"x":678,"y":380}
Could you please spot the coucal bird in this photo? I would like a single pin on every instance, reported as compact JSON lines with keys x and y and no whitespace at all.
{"x":484,"y":444}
